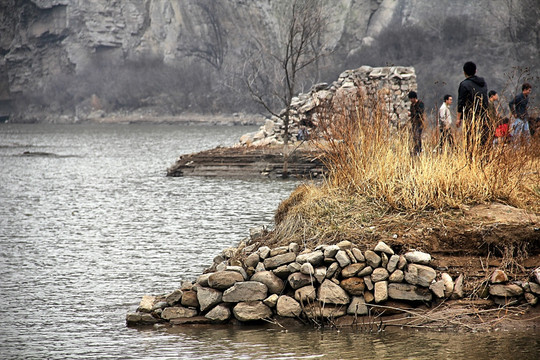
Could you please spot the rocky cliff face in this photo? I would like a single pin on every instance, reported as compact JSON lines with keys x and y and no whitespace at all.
{"x":44,"y":40}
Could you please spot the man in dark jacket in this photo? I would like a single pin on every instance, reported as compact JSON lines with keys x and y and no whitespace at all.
{"x":518,"y":107}
{"x":472,"y":108}
{"x":417,"y":121}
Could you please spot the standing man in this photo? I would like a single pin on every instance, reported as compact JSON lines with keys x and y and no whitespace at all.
{"x":493,"y":113}
{"x":472,"y":108}
{"x":445,"y":122}
{"x":417,"y":121}
{"x":518,"y":108}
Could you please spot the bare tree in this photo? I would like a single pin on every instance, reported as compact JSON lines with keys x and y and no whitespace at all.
{"x":273,"y":76}
{"x":212,"y":46}
{"x":521,"y":21}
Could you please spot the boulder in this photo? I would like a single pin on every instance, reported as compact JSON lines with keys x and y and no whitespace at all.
{"x":306,"y":294}
{"x":174,"y":297}
{"x":342,"y":258}
{"x":203,"y":279}
{"x":368,"y":282}
{"x":245,"y":291}
{"x":264,"y":252}
{"x":314,"y":258}
{"x":282,"y":271}
{"x":402,"y":291}
{"x":536,"y":275}
{"x":238,"y":269}
{"x":177,"y":312}
{"x":294,"y":247}
{"x":327,"y":311}
{"x":220,"y":313}
{"x":448,"y":284}
{"x":331,"y":251}
{"x":271,"y":301}
{"x":133,"y":318}
{"x":508,"y":290}
{"x":397,"y":276}
{"x":418,"y":257}
{"x":358,"y":255}
{"x":208,"y":297}
{"x":344,"y":245}
{"x":352,"y":270}
{"x":353,"y":285}
{"x":372,"y":259}
{"x":379,"y":274}
{"x":288,"y":307}
{"x":252,"y":311}
{"x":307,"y":269}
{"x":260,"y":267}
{"x":381,"y":291}
{"x":189,"y":299}
{"x":320,"y":274}
{"x":332,"y":269}
{"x":457,"y":293}
{"x":222,"y":280}
{"x":274,"y":284}
{"x":402,"y":262}
{"x":498,"y":276}
{"x":534,"y":287}
{"x":331,"y":293}
{"x":368,"y":270}
{"x":382,"y":247}
{"x":392,"y":263}
{"x":279,"y":251}
{"x":351,"y":256}
{"x":147,"y":303}
{"x":298,"y":280}
{"x":276,"y":261}
{"x":420,"y":275}
{"x":252,"y":260}
{"x":437,"y":288}
{"x":384,"y":260}
{"x":294,"y":267}
{"x":357,"y":306}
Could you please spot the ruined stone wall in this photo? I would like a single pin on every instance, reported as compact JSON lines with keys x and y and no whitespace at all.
{"x":389,"y":84}
{"x":338,"y":283}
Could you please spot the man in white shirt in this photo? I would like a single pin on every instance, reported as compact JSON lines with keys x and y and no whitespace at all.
{"x":445,"y":123}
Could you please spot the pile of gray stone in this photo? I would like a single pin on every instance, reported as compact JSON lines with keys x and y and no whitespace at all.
{"x":389,"y":84}
{"x":330,"y":281}
{"x":505,"y":292}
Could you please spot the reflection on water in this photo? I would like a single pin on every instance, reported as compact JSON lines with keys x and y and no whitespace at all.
{"x":89,"y":223}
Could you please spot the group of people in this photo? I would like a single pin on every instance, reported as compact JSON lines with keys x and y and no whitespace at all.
{"x":477,"y":109}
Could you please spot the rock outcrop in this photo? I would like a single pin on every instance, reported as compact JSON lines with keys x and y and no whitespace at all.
{"x":45,"y":41}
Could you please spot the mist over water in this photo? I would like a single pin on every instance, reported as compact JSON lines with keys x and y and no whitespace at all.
{"x":89,"y":223}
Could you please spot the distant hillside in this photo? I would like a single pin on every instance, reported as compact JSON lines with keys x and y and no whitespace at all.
{"x":75,"y":57}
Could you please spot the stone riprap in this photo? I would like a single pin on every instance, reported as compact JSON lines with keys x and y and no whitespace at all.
{"x":389,"y":84}
{"x":249,"y":284}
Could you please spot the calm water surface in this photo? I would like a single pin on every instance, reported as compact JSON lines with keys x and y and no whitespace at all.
{"x":89,"y":223}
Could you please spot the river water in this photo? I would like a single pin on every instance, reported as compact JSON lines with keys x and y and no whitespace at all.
{"x":89,"y":223}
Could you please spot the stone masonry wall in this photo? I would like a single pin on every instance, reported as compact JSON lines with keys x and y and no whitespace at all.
{"x":392,"y":84}
{"x":326,"y":283}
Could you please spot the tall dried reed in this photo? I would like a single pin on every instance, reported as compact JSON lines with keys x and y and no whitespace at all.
{"x":372,"y":172}
{"x":367,"y":156}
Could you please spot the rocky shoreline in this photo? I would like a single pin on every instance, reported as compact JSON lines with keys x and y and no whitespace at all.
{"x":337,"y":285}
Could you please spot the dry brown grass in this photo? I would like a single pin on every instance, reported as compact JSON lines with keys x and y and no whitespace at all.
{"x":372,"y":173}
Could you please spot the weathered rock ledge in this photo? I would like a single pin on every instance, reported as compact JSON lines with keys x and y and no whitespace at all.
{"x":249,"y":162}
{"x":339,"y":285}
